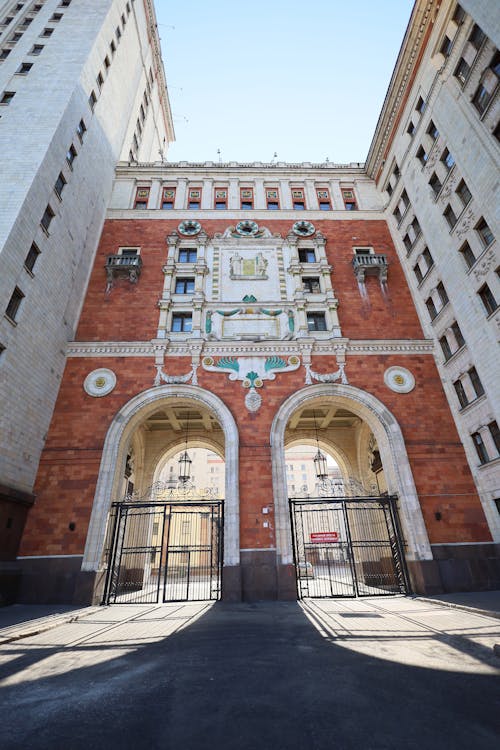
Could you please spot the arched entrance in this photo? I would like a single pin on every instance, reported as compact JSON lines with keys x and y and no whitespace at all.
{"x":354,"y":424}
{"x":181,"y":523}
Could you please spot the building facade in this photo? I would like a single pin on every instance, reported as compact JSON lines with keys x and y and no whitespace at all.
{"x":251,"y":309}
{"x":81,"y":86}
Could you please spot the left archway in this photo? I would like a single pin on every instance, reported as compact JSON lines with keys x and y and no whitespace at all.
{"x":114,"y":455}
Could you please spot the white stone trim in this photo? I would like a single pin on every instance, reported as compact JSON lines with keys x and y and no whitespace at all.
{"x":127,"y":419}
{"x":221,"y":348}
{"x":392,"y":449}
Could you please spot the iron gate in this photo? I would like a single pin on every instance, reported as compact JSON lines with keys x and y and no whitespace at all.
{"x":347,"y":547}
{"x":164,"y":552}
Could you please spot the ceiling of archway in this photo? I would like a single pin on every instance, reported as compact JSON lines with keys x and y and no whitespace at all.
{"x":321,"y":417}
{"x":179,"y":418}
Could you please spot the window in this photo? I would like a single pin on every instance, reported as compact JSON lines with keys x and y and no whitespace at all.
{"x":60,"y":183}
{"x":246,"y":198}
{"x":123,"y":20}
{"x":462,"y":71}
{"x":112,"y":47}
{"x":349,"y":200}
{"x":272,"y":199}
{"x":142,"y":113}
{"x":464,"y":193}
{"x":442,"y":294}
{"x":100,"y":81}
{"x":4,"y":54}
{"x":16,"y":37}
{"x":81,"y":129}
{"x":141,"y":198}
{"x":418,"y":273}
{"x":184,"y":286}
{"x":107,"y":63}
{"x":484,"y":232}
{"x":56,"y":17}
{"x":47,"y":32}
{"x":311,"y":285}
{"x":194,"y":199}
{"x":64,"y":3}
{"x":47,"y":217}
{"x":92,"y":100}
{"x":36,"y":49}
{"x":446,"y":46}
{"x":307,"y":255}
{"x":24,"y":69}
{"x":298,"y":199}
{"x":324,"y":199}
{"x":458,"y":335}
{"x":476,"y":382}
{"x":407,"y":242}
{"x":480,"y":448}
{"x":487,"y":298}
{"x":447,"y":159}
{"x":188,"y":255}
{"x":467,"y":255}
{"x":416,"y":227}
{"x":450,"y":217}
{"x":458,"y":14}
{"x":422,"y":156}
{"x":481,"y":98}
{"x":477,"y":36}
{"x":495,"y":434}
{"x":316,"y":321}
{"x":443,"y":342}
{"x":220,"y":199}
{"x":7,"y":97}
{"x":431,"y":308}
{"x":118,"y":34}
{"x":461,"y":394}
{"x":14,"y":304}
{"x":411,"y":128}
{"x":168,"y":199}
{"x":71,"y":155}
{"x":429,"y":261}
{"x":420,"y":106}
{"x":432,"y":131}
{"x":31,"y":258}
{"x":182,"y":322}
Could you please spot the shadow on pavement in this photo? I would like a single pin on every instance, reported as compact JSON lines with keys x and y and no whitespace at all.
{"x":240,"y":677}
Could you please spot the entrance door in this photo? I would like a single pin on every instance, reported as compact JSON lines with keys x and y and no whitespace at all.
{"x":163,"y":552}
{"x":347,"y":547}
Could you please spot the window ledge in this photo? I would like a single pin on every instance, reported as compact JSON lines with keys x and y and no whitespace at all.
{"x":492,"y":462}
{"x":455,"y":354}
{"x":425,"y":277}
{"x":468,"y":406}
{"x":436,"y":318}
{"x":11,"y":320}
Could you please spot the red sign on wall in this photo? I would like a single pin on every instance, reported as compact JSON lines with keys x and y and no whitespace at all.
{"x":324,"y":537}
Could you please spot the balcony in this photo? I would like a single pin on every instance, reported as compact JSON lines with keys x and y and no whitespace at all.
{"x":119,"y":266}
{"x":372,"y":264}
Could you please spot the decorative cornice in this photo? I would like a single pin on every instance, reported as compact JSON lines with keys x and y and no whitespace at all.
{"x":154,"y":40}
{"x":329,"y":347}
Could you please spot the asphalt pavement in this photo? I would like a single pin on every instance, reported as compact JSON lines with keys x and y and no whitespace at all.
{"x":376,"y":674}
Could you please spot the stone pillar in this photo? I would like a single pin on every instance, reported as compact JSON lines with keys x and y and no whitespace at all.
{"x":207,"y":193}
{"x":180,"y":193}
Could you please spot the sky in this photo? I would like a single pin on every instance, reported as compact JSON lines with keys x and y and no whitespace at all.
{"x":305,"y":80}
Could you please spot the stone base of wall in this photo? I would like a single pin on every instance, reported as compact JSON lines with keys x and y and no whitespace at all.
{"x":457,"y":567}
{"x":48,"y":580}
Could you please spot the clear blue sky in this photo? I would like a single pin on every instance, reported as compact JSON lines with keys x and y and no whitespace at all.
{"x":304,"y":79}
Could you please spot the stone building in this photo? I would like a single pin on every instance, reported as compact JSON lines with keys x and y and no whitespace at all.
{"x":81,"y":86}
{"x":247,"y":309}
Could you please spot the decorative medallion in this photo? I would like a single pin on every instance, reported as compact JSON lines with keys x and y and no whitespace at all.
{"x":189,"y":227}
{"x":100,"y":382}
{"x":247,"y":228}
{"x":399,"y":379}
{"x":252,"y":371}
{"x":303,"y":228}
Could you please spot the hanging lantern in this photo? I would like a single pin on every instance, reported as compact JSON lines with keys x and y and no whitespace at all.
{"x":184,"y":467}
{"x":320,"y":466}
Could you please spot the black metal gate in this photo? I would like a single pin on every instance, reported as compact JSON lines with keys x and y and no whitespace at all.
{"x":347,"y":547}
{"x":164,"y":552}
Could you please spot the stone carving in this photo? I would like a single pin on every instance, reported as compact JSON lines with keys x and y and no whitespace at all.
{"x":189,"y":227}
{"x":252,"y":372}
{"x":248,"y":268}
{"x":329,"y":377}
{"x":99,"y":382}
{"x":162,"y":377}
{"x":399,"y":379}
{"x":303,"y":228}
{"x":467,"y":221}
{"x":482,"y":268}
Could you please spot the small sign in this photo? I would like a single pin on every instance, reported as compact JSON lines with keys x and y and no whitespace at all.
{"x":325,"y":537}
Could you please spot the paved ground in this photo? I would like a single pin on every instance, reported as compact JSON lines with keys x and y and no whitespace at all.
{"x":349,"y":674}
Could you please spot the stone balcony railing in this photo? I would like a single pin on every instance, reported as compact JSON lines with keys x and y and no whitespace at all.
{"x":374,"y":264}
{"x":123,"y":265}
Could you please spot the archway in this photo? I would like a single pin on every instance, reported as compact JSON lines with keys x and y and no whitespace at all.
{"x":144,"y":414}
{"x":351,"y":404}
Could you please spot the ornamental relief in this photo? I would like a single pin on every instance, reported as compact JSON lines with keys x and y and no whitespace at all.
{"x":468,"y":220}
{"x":482,"y":267}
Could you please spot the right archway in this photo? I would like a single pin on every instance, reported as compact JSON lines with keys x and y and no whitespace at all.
{"x":381,"y":422}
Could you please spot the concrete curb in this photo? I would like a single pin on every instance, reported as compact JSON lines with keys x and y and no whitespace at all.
{"x":41,"y":625}
{"x":465,"y":607}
